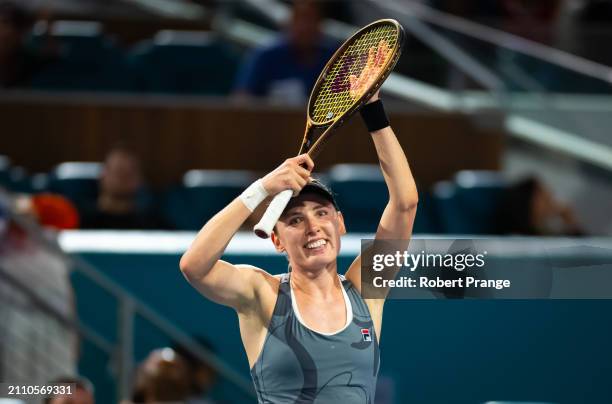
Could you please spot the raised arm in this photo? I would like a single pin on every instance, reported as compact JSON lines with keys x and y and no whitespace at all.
{"x":237,"y":285}
{"x":398,"y":217}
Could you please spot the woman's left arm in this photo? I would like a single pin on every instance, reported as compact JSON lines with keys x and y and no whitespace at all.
{"x":398,"y":217}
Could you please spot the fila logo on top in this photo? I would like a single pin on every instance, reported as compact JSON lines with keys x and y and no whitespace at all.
{"x":365,"y":334}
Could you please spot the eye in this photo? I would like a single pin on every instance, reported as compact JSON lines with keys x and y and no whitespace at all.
{"x":295,"y":220}
{"x":322,"y":212}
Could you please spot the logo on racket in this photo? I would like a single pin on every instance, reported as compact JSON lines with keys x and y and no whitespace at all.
{"x":341,"y":82}
{"x":365,"y":334}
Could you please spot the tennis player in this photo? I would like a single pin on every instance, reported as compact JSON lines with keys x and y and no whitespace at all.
{"x":309,"y":335}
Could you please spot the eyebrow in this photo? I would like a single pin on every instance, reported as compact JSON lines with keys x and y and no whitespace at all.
{"x":294,"y":210}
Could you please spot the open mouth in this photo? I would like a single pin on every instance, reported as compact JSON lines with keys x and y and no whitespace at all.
{"x":316,"y":244}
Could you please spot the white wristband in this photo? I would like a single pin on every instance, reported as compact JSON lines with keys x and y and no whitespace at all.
{"x":254,"y":195}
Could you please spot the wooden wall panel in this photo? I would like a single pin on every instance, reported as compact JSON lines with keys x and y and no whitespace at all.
{"x":172,"y":137}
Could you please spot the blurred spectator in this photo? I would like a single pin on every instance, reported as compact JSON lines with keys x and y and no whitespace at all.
{"x":83,"y":393}
{"x":118,"y":205}
{"x":36,"y":304}
{"x":163,"y":376}
{"x":286,"y":70}
{"x":530,"y":208}
{"x":202,"y":375}
{"x":17,"y":65}
{"x":49,"y":210}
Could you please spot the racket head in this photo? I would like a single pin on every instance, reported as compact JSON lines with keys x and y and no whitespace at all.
{"x":331,"y":99}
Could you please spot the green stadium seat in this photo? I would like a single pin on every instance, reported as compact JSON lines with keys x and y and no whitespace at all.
{"x":203,"y":194}
{"x":88,"y":60}
{"x":361,"y":193}
{"x":77,"y":181}
{"x":184,"y":63}
{"x":18,"y":180}
{"x":470,"y":203}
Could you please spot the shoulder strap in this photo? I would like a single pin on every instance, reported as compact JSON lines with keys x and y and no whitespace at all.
{"x":359,"y":306}
{"x":282,"y":308}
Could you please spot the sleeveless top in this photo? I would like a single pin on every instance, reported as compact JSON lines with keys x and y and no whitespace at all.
{"x":299,"y":365}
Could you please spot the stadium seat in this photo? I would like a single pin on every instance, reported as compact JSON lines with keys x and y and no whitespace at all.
{"x":469,"y":204}
{"x":451,"y":218}
{"x":88,"y":59}
{"x":18,"y":180}
{"x":184,"y":62}
{"x":202,"y":194}
{"x":480,"y":194}
{"x":77,"y":181}
{"x":361,"y":193}
{"x":426,"y":220}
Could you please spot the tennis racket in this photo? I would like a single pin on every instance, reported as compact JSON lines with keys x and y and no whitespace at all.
{"x":348,"y":80}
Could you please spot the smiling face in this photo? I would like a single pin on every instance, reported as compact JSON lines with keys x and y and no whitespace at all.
{"x":309,"y":231}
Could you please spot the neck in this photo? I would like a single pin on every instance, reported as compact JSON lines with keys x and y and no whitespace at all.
{"x":321,"y":284}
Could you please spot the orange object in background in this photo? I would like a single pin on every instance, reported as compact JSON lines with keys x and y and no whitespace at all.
{"x":55,"y":211}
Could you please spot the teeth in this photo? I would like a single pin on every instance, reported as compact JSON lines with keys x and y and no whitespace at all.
{"x":316,"y":244}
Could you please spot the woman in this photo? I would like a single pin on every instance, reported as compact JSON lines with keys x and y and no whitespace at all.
{"x":309,"y":335}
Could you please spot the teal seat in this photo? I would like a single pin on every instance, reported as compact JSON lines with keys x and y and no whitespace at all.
{"x":88,"y":60}
{"x":203,"y":194}
{"x":470,"y":203}
{"x":77,"y":181}
{"x":361,"y":193}
{"x":184,"y":63}
{"x":18,"y":180}
{"x":426,"y":220}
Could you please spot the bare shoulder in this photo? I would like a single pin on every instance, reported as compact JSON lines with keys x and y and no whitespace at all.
{"x":258,"y":275}
{"x":264,"y":284}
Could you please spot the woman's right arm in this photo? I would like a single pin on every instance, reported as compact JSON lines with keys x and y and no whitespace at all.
{"x":222,"y":282}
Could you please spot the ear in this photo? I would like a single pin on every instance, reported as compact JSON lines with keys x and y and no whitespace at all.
{"x":276,"y":241}
{"x":342,"y":226}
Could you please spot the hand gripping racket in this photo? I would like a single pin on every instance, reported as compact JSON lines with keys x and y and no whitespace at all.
{"x":348,"y":80}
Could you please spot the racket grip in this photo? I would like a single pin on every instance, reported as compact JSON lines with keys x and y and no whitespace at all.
{"x":263,"y":229}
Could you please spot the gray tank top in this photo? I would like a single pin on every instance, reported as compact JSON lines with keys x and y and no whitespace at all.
{"x":299,"y":365}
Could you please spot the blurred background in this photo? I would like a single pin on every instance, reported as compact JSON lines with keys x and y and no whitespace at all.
{"x":126,"y":124}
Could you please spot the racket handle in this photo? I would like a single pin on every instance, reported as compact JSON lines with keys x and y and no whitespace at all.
{"x":263,"y":229}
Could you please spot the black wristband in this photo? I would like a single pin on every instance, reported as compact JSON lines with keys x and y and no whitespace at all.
{"x":374,"y":116}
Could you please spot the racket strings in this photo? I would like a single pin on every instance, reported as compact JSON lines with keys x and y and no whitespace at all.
{"x":334,"y":97}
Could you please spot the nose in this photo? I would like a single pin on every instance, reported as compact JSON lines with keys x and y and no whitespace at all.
{"x":312,"y":224}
